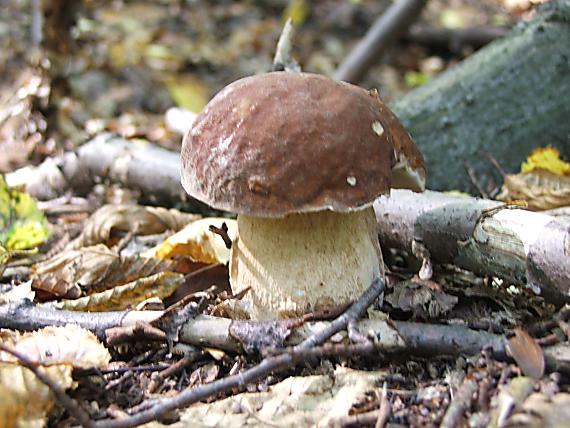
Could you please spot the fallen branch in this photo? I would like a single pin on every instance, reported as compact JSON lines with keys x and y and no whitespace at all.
{"x":385,"y":29}
{"x":454,"y":39}
{"x":483,"y":236}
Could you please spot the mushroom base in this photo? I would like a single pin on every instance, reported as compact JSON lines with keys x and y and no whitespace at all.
{"x":304,"y":262}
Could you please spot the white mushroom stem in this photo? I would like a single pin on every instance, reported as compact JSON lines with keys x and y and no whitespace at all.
{"x":304,"y":262}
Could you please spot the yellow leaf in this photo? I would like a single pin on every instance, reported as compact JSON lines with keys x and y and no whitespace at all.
{"x":547,"y":159}
{"x":197,"y":242}
{"x":22,"y":224}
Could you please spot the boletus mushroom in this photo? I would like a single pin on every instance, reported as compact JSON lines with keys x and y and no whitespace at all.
{"x":300,"y":158}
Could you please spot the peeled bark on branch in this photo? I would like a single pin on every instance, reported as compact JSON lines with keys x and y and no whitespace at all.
{"x":483,"y":236}
{"x":506,"y":99}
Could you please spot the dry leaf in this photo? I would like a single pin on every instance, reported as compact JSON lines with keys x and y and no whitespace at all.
{"x":197,"y":242}
{"x":129,"y":218}
{"x":204,"y":374}
{"x":95,"y":268}
{"x":159,"y":285}
{"x":542,"y":190}
{"x":527,"y":353}
{"x":70,"y":345}
{"x":546,"y":159}
{"x":25,"y":400}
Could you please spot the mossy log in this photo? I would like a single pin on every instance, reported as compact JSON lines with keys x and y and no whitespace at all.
{"x":505,"y":100}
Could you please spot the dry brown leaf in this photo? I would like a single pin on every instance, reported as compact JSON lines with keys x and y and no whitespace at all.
{"x":159,"y":285}
{"x":204,"y":374}
{"x":527,"y":353}
{"x":542,"y":190}
{"x":94,"y":268}
{"x":25,"y":400}
{"x":129,"y":218}
{"x":197,"y":242}
{"x":70,"y":345}
{"x":30,"y":400}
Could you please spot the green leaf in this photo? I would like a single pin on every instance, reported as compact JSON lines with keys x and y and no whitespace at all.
{"x":22,"y":224}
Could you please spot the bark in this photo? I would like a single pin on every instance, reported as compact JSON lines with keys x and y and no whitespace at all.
{"x":483,"y":236}
{"x":507,"y":99}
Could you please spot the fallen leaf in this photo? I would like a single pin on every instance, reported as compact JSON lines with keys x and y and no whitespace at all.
{"x":541,"y":190}
{"x":25,"y":400}
{"x":197,"y":242}
{"x":547,"y":159}
{"x":129,"y":218}
{"x":125,"y":296}
{"x":527,"y":353}
{"x":22,"y":224}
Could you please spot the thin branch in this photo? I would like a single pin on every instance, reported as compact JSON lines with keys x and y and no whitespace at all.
{"x":387,"y":27}
{"x":460,"y":404}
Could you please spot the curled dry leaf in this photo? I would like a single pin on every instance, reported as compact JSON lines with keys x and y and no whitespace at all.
{"x":197,"y":242}
{"x":544,"y":181}
{"x":129,"y":218}
{"x":70,"y":345}
{"x":94,"y":268}
{"x":542,"y":190}
{"x":25,"y":400}
{"x":527,"y":353}
{"x":159,"y":285}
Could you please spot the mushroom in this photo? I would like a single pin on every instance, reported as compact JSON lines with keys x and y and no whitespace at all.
{"x":300,"y":158}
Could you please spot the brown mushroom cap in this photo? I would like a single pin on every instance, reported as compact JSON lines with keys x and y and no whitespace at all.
{"x":282,"y":143}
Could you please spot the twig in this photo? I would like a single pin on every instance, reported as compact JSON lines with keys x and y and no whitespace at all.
{"x":387,"y":27}
{"x":474,"y":180}
{"x":460,"y":404}
{"x":268,"y":365}
{"x":66,"y":402}
{"x":174,"y":368}
{"x":283,"y":59}
{"x":385,"y":408}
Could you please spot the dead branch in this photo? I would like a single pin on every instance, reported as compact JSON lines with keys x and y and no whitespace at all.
{"x":483,"y":236}
{"x":385,"y":29}
{"x":454,"y":39}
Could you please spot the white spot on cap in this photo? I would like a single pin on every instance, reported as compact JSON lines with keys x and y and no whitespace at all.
{"x":351,"y":180}
{"x":377,"y":128}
